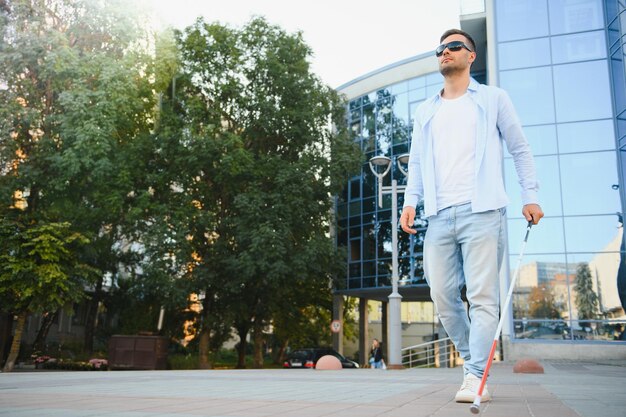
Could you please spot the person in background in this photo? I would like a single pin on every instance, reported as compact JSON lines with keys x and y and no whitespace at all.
{"x":376,"y":355}
{"x":455,"y":169}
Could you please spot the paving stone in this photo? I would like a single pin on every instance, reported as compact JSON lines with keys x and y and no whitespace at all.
{"x":564,"y":390}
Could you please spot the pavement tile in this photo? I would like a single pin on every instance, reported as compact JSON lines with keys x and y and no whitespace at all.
{"x":565,"y":390}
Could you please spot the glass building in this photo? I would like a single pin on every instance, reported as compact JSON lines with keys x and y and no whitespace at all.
{"x":562,"y":63}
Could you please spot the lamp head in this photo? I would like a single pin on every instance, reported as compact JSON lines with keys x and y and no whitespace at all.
{"x":380,"y":160}
{"x":403,"y":163}
{"x":403,"y":159}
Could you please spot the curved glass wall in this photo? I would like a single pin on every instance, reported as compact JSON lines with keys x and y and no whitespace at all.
{"x":558,"y":74}
{"x":566,"y":76}
{"x":381,"y":122}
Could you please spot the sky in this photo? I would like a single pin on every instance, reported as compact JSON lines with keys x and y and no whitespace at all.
{"x":349,"y":38}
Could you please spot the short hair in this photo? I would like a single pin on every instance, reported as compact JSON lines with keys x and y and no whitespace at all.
{"x":459,"y":32}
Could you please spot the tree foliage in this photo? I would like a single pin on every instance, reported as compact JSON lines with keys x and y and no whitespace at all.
{"x":252,"y":163}
{"x":586,"y":299}
{"x":39,"y":270}
{"x":39,"y":267}
{"x":197,"y":162}
{"x":76,"y":92}
{"x":542,"y":303}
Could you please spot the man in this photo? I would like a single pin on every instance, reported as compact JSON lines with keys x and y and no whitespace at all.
{"x":455,"y":167}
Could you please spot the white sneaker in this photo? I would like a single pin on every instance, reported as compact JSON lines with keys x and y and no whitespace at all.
{"x":469,"y":389}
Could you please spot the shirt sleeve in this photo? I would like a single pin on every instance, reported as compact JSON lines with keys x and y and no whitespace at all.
{"x":414,"y":191}
{"x":517,"y":145}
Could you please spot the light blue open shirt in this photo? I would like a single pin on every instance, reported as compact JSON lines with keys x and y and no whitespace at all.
{"x":497,"y":122}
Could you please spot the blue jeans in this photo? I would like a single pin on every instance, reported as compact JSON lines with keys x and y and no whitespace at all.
{"x":376,"y":364}
{"x":465,"y":248}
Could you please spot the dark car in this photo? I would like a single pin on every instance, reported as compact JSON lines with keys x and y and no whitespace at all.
{"x":307,"y":358}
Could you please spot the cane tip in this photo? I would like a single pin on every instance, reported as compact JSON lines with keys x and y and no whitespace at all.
{"x":475,"y":409}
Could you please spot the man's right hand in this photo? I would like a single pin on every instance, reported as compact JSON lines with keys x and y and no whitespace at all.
{"x":407,"y":219}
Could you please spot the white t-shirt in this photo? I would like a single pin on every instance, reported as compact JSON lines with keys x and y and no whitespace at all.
{"x":454,"y":150}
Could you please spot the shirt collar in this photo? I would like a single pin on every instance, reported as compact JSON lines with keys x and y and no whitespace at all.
{"x":472,"y":87}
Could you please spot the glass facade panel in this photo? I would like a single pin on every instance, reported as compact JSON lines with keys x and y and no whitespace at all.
{"x":592,"y":233}
{"x":603,"y":269}
{"x":604,"y":330}
{"x":546,"y":239}
{"x":552,"y":59}
{"x":383,"y":240}
{"x":578,"y":47}
{"x":587,"y":181}
{"x":369,"y":269}
{"x":418,"y":94}
{"x":584,"y":302}
{"x":513,"y":17}
{"x":540,"y":329}
{"x":399,"y":88}
{"x":619,"y":84}
{"x":401,"y":110}
{"x":567,"y":16}
{"x":531,"y":92}
{"x":369,"y":242}
{"x":541,"y":291}
{"x":524,"y":54}
{"x":579,"y":99}
{"x":419,"y":82}
{"x":434,"y":78}
{"x":586,"y":136}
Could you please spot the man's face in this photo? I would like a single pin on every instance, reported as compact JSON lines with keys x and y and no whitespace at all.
{"x":452,"y":62}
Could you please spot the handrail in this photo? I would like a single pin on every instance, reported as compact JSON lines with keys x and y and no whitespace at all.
{"x":436,"y":353}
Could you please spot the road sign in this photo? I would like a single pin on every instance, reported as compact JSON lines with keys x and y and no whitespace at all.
{"x":335,"y":326}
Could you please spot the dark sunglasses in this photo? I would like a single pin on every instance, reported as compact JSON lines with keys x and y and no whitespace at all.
{"x":452,"y":46}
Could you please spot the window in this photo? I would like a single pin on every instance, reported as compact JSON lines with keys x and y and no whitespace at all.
{"x":531,"y":92}
{"x":568,"y":16}
{"x":587,"y":181}
{"x":578,"y":47}
{"x":355,"y":188}
{"x":582,"y":91}
{"x":355,"y":250}
{"x":546,"y":239}
{"x":521,"y":19}
{"x":592,"y":234}
{"x":524,"y":54}
{"x":586,"y":136}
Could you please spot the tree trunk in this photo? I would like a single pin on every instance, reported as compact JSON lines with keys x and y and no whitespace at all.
{"x":280,"y":355}
{"x":92,"y":314}
{"x":241,"y":347}
{"x":6,"y":332}
{"x":257,"y":362}
{"x":203,"y":347}
{"x":40,"y":341}
{"x":15,"y":346}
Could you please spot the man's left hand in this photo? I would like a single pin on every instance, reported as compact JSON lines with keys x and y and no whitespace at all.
{"x":532,"y":212}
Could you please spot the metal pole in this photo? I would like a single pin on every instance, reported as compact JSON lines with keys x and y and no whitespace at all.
{"x":395,"y":325}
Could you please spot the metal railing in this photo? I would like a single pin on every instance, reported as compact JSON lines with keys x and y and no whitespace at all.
{"x":434,"y":354}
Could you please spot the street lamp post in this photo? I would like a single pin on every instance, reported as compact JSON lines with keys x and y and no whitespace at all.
{"x":395,"y":324}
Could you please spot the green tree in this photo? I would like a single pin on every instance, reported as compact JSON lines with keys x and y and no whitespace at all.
{"x":542,"y":303}
{"x":245,"y":166}
{"x":78,"y":92}
{"x":586,"y":299}
{"x":39,"y":271}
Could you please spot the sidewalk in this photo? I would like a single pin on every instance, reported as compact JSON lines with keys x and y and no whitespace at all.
{"x":566,"y":389}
